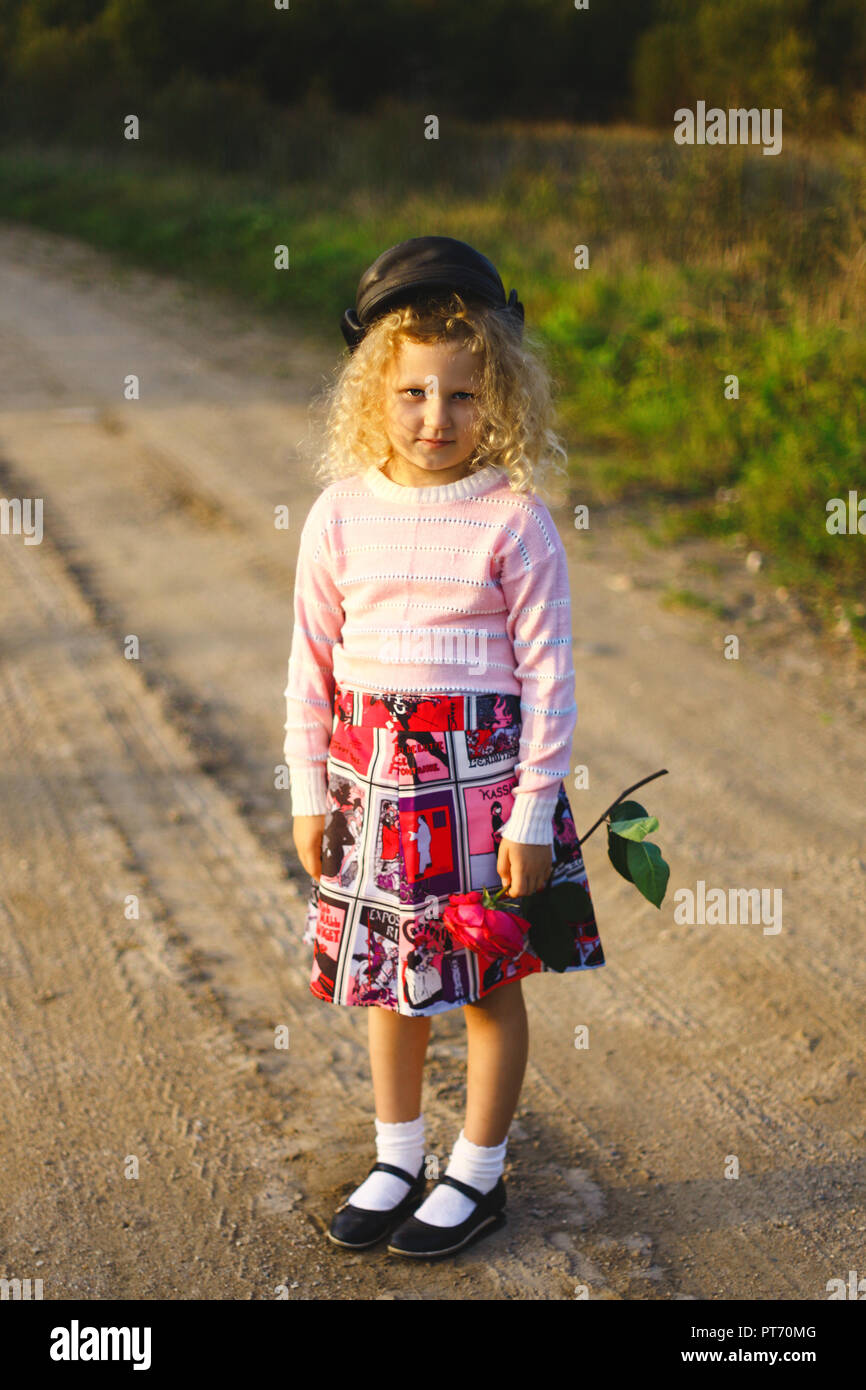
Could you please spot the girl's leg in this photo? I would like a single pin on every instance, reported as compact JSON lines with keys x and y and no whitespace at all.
{"x":498,"y":1045}
{"x":398,"y":1047}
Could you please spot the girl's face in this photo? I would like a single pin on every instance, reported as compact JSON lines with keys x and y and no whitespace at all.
{"x":431,"y":416}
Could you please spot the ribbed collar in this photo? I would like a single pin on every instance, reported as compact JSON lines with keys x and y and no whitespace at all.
{"x":474,"y":483}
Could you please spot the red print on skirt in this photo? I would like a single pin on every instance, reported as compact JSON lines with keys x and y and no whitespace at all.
{"x":419,"y":788}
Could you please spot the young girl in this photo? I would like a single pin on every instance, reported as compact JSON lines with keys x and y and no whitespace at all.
{"x":431,"y":708}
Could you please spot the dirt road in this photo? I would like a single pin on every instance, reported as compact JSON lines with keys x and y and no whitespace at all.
{"x":156,"y":1143}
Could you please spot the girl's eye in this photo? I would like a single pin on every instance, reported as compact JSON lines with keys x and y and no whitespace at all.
{"x":410,"y":390}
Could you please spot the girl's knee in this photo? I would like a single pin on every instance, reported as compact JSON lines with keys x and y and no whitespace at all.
{"x":500,"y":999}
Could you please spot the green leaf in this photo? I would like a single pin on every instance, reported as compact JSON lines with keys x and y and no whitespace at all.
{"x":647,"y":870}
{"x":629,"y":810}
{"x":616,"y":844}
{"x":636,"y":829}
{"x":616,"y":853}
{"x":571,"y":903}
{"x":535,"y":906}
{"x":553,"y":942}
{"x":554,"y":916}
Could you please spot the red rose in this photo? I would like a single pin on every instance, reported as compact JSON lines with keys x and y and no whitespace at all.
{"x":488,"y":930}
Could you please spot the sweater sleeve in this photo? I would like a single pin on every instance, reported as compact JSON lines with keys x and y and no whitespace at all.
{"x":309,"y":690}
{"x":534,"y":581}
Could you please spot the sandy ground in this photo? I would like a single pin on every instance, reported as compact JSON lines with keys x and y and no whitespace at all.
{"x":156,"y":1144}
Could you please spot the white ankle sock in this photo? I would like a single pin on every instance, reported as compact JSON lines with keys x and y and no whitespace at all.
{"x":402,"y":1144}
{"x":471,"y":1163}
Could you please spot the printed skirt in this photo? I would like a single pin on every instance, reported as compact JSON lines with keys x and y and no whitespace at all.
{"x":419,"y":788}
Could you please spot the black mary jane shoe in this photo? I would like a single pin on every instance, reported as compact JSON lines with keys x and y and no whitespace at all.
{"x":355,"y":1228}
{"x":424,"y":1241}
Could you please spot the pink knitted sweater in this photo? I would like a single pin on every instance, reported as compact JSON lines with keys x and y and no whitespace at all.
{"x":455,"y":587}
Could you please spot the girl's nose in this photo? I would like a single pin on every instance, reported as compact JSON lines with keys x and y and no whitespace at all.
{"x":436,"y":410}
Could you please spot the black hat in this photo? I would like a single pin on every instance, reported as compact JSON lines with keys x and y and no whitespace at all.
{"x":413,"y":270}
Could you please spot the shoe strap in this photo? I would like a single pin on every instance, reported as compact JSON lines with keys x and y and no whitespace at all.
{"x":392,"y":1168}
{"x":464,"y":1188}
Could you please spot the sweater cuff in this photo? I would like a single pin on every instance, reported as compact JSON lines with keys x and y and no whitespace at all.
{"x":309,"y":786}
{"x":531,"y":820}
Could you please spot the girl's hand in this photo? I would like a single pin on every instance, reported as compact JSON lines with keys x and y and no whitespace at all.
{"x":307,"y":832}
{"x":523,"y":869}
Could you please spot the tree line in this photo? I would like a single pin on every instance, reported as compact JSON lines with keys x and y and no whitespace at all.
{"x":616,"y":60}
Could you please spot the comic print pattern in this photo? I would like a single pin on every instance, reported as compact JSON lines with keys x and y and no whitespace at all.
{"x":419,"y":789}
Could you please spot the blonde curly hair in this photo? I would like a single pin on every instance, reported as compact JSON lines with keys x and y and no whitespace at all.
{"x":514,"y":393}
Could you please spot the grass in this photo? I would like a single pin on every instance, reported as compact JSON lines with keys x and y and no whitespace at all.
{"x":674,"y":597}
{"x":705,"y":264}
